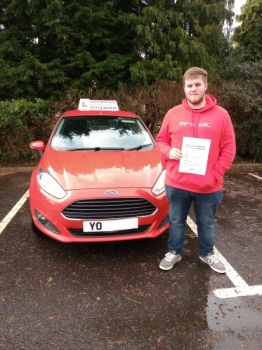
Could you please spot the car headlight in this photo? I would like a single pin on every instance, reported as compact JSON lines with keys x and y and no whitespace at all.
{"x":50,"y":185}
{"x":159,"y":186}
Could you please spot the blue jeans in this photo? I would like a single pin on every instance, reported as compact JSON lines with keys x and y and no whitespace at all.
{"x":205,"y":207}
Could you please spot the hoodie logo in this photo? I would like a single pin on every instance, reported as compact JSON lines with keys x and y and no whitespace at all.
{"x":110,"y":192}
{"x":200,"y":125}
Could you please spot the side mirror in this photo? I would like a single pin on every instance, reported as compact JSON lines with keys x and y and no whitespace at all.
{"x":38,"y":146}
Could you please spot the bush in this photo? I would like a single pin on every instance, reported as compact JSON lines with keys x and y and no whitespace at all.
{"x":246,"y":113}
{"x":22,"y":121}
{"x":240,"y":94}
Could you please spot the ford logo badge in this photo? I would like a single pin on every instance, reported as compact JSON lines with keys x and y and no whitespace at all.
{"x":110,"y":192}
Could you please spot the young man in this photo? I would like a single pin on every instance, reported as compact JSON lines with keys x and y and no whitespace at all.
{"x":198,"y":142}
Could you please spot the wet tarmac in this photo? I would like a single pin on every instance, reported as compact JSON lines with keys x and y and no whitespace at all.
{"x":114,"y":296}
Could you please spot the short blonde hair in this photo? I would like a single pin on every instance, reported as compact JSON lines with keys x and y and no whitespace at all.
{"x":194,"y":72}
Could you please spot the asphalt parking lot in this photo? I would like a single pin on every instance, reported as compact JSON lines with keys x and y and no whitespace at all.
{"x":114,"y":296}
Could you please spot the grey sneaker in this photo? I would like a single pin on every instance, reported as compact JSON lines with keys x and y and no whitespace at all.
{"x":170,"y":259}
{"x":214,"y":263}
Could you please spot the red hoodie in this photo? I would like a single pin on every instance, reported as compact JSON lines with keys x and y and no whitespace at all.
{"x":210,"y":122}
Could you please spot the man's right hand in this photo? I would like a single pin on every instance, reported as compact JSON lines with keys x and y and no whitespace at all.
{"x":175,"y":153}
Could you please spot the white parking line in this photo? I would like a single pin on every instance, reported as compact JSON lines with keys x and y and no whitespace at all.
{"x":241,"y":287}
{"x":256,"y":176}
{"x":237,"y":292}
{"x":13,"y":211}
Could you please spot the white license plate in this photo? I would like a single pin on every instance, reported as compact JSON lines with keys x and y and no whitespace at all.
{"x":110,"y":225}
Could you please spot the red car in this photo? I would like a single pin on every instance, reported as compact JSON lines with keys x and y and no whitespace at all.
{"x":99,"y":178}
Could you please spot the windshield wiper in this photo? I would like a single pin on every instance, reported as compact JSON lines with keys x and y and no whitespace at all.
{"x":97,"y":149}
{"x":137,"y":148}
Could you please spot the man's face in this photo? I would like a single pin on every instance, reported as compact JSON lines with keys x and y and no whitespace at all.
{"x":195,"y":92}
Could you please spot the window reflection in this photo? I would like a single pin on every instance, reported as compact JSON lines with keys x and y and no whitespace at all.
{"x":100,"y":132}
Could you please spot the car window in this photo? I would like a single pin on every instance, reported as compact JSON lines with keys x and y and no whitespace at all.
{"x":96,"y":132}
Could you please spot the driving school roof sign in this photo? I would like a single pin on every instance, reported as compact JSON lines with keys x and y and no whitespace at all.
{"x":97,"y":105}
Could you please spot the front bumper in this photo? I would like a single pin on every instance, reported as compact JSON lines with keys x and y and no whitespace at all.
{"x":47,"y":215}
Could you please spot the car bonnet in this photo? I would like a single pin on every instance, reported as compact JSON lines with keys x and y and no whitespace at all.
{"x":102,"y":169}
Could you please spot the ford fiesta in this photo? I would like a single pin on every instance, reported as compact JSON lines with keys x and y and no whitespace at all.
{"x":99,"y":178}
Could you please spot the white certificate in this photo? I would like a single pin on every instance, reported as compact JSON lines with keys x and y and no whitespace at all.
{"x":194,"y":155}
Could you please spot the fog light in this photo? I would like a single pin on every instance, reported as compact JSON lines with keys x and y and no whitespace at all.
{"x":48,"y":224}
{"x":42,"y":219}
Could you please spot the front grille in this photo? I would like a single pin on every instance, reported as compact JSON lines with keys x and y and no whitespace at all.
{"x":114,"y":208}
{"x":81,"y":233}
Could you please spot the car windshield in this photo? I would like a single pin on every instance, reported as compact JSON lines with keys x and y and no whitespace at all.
{"x":101,"y":133}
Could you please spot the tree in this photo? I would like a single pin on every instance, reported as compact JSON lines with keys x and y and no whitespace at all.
{"x":247,"y":37}
{"x":29,"y":68}
{"x":48,"y":46}
{"x":101,"y":45}
{"x":174,"y":35}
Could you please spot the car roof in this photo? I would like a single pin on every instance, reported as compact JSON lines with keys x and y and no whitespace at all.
{"x":118,"y":113}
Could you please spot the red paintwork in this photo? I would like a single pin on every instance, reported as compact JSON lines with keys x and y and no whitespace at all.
{"x":78,"y":170}
{"x":86,"y":174}
{"x":37,"y":145}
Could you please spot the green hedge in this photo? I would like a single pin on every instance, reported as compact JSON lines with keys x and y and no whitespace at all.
{"x":23,"y":121}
